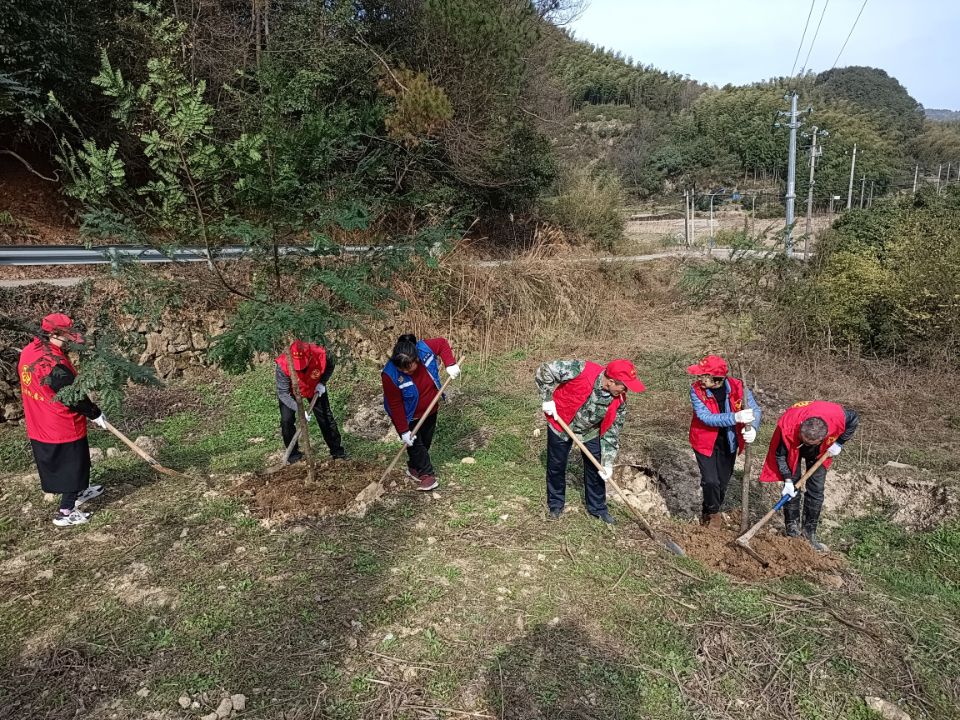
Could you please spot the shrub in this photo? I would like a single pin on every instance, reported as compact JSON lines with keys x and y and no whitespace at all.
{"x":588,"y":204}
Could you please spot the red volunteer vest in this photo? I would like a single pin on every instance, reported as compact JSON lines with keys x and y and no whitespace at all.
{"x":702,"y":436}
{"x":788,"y":428}
{"x":309,"y":377}
{"x":47,"y":419}
{"x":571,"y":395}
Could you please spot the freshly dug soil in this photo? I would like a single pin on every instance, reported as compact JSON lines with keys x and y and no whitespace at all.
{"x":285,"y":494}
{"x":787,"y":556}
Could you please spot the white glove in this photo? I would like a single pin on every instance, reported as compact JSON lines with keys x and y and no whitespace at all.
{"x":744,"y":416}
{"x":789,"y":489}
{"x":606,"y":473}
{"x":453,"y":371}
{"x":321,"y":389}
{"x":550,"y":408}
{"x":101,"y":421}
{"x":307,"y":416}
{"x":749,"y":434}
{"x":834,"y":450}
{"x":408,"y":438}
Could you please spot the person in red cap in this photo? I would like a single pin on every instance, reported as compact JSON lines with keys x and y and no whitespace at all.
{"x":591,"y":400}
{"x":58,"y":431}
{"x":805,"y":432}
{"x":313,"y":369}
{"x":411,"y":381}
{"x":725,"y":418}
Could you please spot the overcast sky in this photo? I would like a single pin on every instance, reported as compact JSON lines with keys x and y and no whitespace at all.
{"x":916,"y":41}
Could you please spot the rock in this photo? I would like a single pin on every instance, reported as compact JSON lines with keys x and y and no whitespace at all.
{"x":96,"y":455}
{"x":143,"y":692}
{"x":112,"y":452}
{"x":832,"y":581}
{"x":49,"y":497}
{"x":887,"y":710}
{"x":469,"y":461}
{"x":352,"y":643}
{"x":200,"y":341}
{"x":901,"y":466}
{"x":184,"y":532}
{"x":150,"y":445}
{"x":211,"y":716}
{"x":184,"y":702}
{"x":11,"y":411}
{"x":224,"y":708}
{"x":299,"y":530}
{"x":536,"y":432}
{"x":255,"y":440}
{"x":30,"y":478}
{"x":165,"y":366}
{"x":45,"y":574}
{"x":155,"y":345}
{"x":239,"y":702}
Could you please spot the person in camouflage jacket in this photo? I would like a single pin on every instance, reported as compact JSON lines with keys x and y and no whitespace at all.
{"x":591,"y":400}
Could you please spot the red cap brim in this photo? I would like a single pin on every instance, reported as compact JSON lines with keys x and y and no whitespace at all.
{"x":634,"y":385}
{"x":696,"y":370}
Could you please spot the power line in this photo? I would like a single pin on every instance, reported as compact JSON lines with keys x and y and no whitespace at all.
{"x":803,"y":37}
{"x":849,"y":34}
{"x":813,"y":42}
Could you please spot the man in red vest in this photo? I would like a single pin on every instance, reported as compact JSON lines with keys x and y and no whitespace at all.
{"x":725,"y":418}
{"x":58,"y":431}
{"x":805,"y":432}
{"x":591,"y":400}
{"x":313,"y":369}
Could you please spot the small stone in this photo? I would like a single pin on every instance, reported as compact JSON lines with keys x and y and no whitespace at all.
{"x":299,"y":530}
{"x":536,"y":432}
{"x":45,"y":574}
{"x":49,"y":497}
{"x":352,"y":643}
{"x":554,"y":622}
{"x":388,"y":637}
{"x":239,"y":702}
{"x":504,"y":517}
{"x":469,"y":461}
{"x":143,"y":692}
{"x":431,"y":541}
{"x":886,"y":710}
{"x":96,"y":455}
{"x":541,"y":557}
{"x":211,"y":716}
{"x":240,"y":550}
{"x":184,"y":701}
{"x":832,"y":581}
{"x":195,"y":706}
{"x":255,"y":440}
{"x":224,"y":708}
{"x":184,"y":532}
{"x":112,"y":452}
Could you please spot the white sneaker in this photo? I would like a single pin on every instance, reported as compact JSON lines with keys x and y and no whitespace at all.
{"x":89,"y":494}
{"x":74,"y":518}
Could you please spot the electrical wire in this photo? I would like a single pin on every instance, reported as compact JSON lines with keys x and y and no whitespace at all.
{"x":803,"y":37}
{"x":849,"y":34}
{"x":812,"y":42}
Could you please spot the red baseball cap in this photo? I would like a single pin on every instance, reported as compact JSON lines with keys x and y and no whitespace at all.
{"x":710,"y":365}
{"x":623,"y":371}
{"x":60,"y":324}
{"x":301,"y":354}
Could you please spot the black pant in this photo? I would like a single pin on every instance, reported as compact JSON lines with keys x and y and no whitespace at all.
{"x":68,"y":500}
{"x":715,"y":473}
{"x":594,"y":489}
{"x":418,"y":456}
{"x":812,"y":498}
{"x":325,"y":419}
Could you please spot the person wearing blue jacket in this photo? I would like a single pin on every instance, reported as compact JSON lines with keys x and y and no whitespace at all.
{"x":725,"y":419}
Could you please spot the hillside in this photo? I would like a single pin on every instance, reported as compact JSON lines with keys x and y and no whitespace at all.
{"x":941,"y":115}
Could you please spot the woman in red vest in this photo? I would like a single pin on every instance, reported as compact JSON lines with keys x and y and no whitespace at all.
{"x":591,"y":400}
{"x":725,"y":417}
{"x":411,"y":381}
{"x":805,"y":432}
{"x":313,"y":369}
{"x":58,"y":431}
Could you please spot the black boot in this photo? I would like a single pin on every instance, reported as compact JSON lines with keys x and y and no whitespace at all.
{"x":791,"y":517}
{"x":810,"y":521}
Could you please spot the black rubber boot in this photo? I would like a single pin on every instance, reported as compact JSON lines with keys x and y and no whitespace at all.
{"x":811,"y":519}
{"x":791,"y":517}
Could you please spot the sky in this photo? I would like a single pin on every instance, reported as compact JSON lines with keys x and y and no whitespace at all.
{"x":916,"y":41}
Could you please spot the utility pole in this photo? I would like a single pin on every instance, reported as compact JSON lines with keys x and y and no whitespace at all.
{"x":870,"y":201}
{"x":791,"y":195}
{"x":853,"y":165}
{"x":863,"y":187}
{"x":916,"y":174}
{"x":939,"y":170}
{"x":813,"y":166}
{"x":686,"y":218}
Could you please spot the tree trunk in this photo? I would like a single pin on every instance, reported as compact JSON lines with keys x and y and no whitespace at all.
{"x":301,"y":420}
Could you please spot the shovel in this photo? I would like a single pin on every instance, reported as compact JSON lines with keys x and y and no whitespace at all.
{"x":667,"y":543}
{"x":744,"y":540}
{"x":139,"y":451}
{"x":296,"y":435}
{"x":426,"y":414}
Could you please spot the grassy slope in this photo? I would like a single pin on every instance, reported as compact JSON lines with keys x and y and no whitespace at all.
{"x":466,"y":600}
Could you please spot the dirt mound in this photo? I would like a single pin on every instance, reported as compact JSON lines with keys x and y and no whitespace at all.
{"x":340,"y":487}
{"x":661,"y":479}
{"x":371,"y":422}
{"x":787,"y":556}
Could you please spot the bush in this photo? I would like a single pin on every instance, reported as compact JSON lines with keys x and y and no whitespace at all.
{"x":588,"y":205}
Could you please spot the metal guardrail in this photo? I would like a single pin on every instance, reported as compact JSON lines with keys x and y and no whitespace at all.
{"x":113,"y":254}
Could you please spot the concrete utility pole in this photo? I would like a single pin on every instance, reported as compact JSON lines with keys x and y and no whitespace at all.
{"x":853,"y":165}
{"x":870,"y":201}
{"x":813,"y":166}
{"x":939,"y":171}
{"x":916,"y":174}
{"x":863,"y":187}
{"x":791,"y":195}
{"x":686,"y":218}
